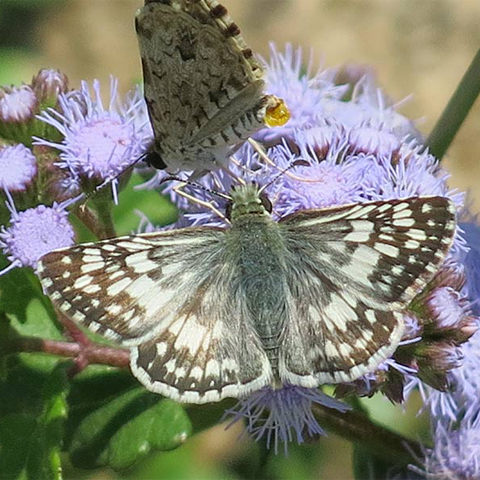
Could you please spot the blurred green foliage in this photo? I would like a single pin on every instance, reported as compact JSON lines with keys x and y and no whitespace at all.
{"x":18,"y":40}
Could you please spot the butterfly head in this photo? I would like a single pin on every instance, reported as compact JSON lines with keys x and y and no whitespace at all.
{"x":247,"y":200}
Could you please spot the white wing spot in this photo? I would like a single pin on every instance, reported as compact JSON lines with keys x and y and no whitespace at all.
{"x":82,"y":282}
{"x":91,"y":267}
{"x":426,"y":208}
{"x":161,"y":348}
{"x":339,"y":312}
{"x":95,"y":252}
{"x":118,"y":287}
{"x":404,"y":222}
{"x":108,"y":247}
{"x":212,"y":369}
{"x":412,"y":244}
{"x":388,"y":250}
{"x":417,"y":234}
{"x":192,"y":337}
{"x":370,"y":316}
{"x":140,"y":263}
{"x":397,"y":270}
{"x":93,"y":288}
{"x":113,"y":309}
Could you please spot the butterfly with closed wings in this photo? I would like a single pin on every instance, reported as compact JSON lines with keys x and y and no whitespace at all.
{"x":203,"y":87}
{"x":317,"y":297}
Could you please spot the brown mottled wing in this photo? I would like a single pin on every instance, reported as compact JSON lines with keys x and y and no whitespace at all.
{"x":204,"y":89}
{"x":352,"y":271}
{"x":168,"y":297}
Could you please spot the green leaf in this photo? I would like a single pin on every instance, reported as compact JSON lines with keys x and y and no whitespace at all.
{"x":15,"y":434}
{"x":28,"y":313}
{"x":30,"y":447}
{"x":127,"y":428}
{"x":44,"y":461}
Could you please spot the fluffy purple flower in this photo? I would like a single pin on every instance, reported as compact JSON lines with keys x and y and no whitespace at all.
{"x":17,"y":104}
{"x":33,"y":233}
{"x":472,"y":263}
{"x":283,"y":415}
{"x":99,"y":143}
{"x":455,"y":455}
{"x":18,"y":167}
{"x":304,"y":90}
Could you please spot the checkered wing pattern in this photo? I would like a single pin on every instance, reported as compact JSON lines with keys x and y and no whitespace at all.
{"x":166,"y":296}
{"x":352,"y":271}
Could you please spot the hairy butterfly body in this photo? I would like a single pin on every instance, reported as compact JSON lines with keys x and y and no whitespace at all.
{"x":209,"y":313}
{"x":203,"y":87}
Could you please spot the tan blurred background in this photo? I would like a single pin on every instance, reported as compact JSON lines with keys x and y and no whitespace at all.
{"x":419,"y":47}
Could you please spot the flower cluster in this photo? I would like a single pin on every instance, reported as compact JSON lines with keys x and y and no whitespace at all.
{"x":58,"y":144}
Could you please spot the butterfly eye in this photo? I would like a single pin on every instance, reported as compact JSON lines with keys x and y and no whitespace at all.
{"x":267,"y":204}
{"x":155,"y":160}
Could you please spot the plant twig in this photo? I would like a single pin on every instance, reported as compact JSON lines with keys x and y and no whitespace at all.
{"x":456,"y":110}
{"x":94,"y":353}
{"x":377,"y":439}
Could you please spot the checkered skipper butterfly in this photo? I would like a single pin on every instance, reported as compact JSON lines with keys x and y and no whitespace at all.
{"x":203,"y":87}
{"x":209,"y":313}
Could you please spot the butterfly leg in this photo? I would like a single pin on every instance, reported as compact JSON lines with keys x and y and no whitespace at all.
{"x":179,"y":190}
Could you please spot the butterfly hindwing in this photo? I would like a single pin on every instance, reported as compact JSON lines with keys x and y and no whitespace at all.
{"x":163,"y":295}
{"x":352,"y":271}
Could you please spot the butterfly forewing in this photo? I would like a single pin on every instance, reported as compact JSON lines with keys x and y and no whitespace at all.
{"x":203,"y":87}
{"x":353,"y":270}
{"x":167,"y":296}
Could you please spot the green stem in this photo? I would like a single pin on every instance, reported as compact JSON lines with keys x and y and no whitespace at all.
{"x":456,"y":110}
{"x":378,"y":440}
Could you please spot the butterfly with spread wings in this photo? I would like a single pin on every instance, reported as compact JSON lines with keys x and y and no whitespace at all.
{"x":209,"y":313}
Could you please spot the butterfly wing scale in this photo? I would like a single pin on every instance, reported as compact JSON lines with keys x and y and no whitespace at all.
{"x":352,"y":270}
{"x":163,"y":295}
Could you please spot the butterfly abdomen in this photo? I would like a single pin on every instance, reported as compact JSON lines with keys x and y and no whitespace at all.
{"x":258,"y":253}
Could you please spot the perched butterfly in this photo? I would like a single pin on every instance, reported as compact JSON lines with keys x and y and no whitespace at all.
{"x":203,"y":87}
{"x":208,"y":313}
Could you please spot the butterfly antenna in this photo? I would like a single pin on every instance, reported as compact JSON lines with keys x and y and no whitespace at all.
{"x":108,"y":181}
{"x":193,"y":184}
{"x":296,"y":163}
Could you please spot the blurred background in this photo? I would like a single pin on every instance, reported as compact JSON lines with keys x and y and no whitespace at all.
{"x":418,"y":48}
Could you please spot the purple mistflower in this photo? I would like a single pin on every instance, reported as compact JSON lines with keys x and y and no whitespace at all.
{"x":18,"y":167}
{"x":283,"y":415}
{"x":17,"y":104}
{"x":369,"y":103}
{"x":303,"y":90}
{"x":472,"y":262}
{"x":48,"y":84}
{"x":33,"y":233}
{"x":455,"y":455}
{"x":98,"y":143}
